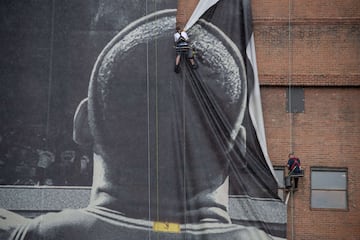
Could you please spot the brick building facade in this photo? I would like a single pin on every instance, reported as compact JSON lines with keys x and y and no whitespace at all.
{"x":312,"y":47}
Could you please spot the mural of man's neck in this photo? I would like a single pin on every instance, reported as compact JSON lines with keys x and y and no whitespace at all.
{"x":114,"y":188}
{"x":184,"y":10}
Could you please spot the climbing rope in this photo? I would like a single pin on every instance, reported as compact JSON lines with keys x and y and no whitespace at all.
{"x":290,"y":62}
{"x":50,"y":79}
{"x":291,"y":115}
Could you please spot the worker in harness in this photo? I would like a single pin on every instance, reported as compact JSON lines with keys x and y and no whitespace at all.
{"x":183,"y":47}
{"x":294,"y":167}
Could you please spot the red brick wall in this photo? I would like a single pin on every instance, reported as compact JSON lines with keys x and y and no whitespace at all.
{"x":322,"y":49}
{"x":184,"y":11}
{"x":328,"y":127}
{"x":327,"y":134}
{"x":321,"y":53}
{"x":317,"y":42}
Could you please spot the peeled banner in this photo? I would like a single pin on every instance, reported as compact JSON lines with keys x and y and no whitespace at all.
{"x":184,"y":153}
{"x":201,"y":130}
{"x":253,"y":200}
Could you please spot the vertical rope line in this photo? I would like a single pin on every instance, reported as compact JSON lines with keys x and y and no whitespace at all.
{"x":291,"y":115}
{"x":157,"y":127}
{"x":51,"y":53}
{"x":184,"y":137}
{"x":148,"y":111}
{"x":290,"y":77}
{"x":292,"y":214}
{"x":148,"y":127}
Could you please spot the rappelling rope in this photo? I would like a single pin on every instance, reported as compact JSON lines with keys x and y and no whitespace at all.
{"x":182,"y":60}
{"x":291,"y":115}
{"x":148,"y":127}
{"x":50,"y":78}
{"x":157,"y":125}
{"x":290,"y":61}
{"x":156,"y":122}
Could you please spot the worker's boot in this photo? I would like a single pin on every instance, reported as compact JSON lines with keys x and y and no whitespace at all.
{"x":177,"y":68}
{"x":194,"y":65}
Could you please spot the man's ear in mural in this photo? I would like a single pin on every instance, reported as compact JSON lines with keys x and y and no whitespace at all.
{"x":81,"y":129}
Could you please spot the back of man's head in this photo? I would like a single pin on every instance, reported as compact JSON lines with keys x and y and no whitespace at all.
{"x":153,"y":147}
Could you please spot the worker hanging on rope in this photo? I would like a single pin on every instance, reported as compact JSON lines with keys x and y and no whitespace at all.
{"x":294,"y":167}
{"x":182,"y":45}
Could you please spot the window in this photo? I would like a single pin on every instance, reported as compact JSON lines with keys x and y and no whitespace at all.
{"x":295,"y":100}
{"x":328,"y":188}
{"x":279,"y":173}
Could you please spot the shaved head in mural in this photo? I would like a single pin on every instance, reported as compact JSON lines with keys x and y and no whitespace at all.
{"x":154,"y":132}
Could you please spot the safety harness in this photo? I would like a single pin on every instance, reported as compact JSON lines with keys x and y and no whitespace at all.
{"x":295,"y":164}
{"x":181,"y":42}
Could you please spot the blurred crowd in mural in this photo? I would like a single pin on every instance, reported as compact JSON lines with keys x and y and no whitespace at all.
{"x":32,"y":159}
{"x":48,"y":50}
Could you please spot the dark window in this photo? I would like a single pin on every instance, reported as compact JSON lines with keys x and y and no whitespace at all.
{"x":279,"y":173}
{"x":295,"y":99}
{"x":328,"y":188}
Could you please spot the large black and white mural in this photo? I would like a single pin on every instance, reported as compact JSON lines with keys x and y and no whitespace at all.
{"x":89,"y":97}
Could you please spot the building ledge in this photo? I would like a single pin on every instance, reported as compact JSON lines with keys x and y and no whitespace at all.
{"x":321,"y":80}
{"x":307,"y":21}
{"x":43,"y":198}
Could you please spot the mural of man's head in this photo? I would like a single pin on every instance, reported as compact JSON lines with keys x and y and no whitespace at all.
{"x":162,"y":140}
